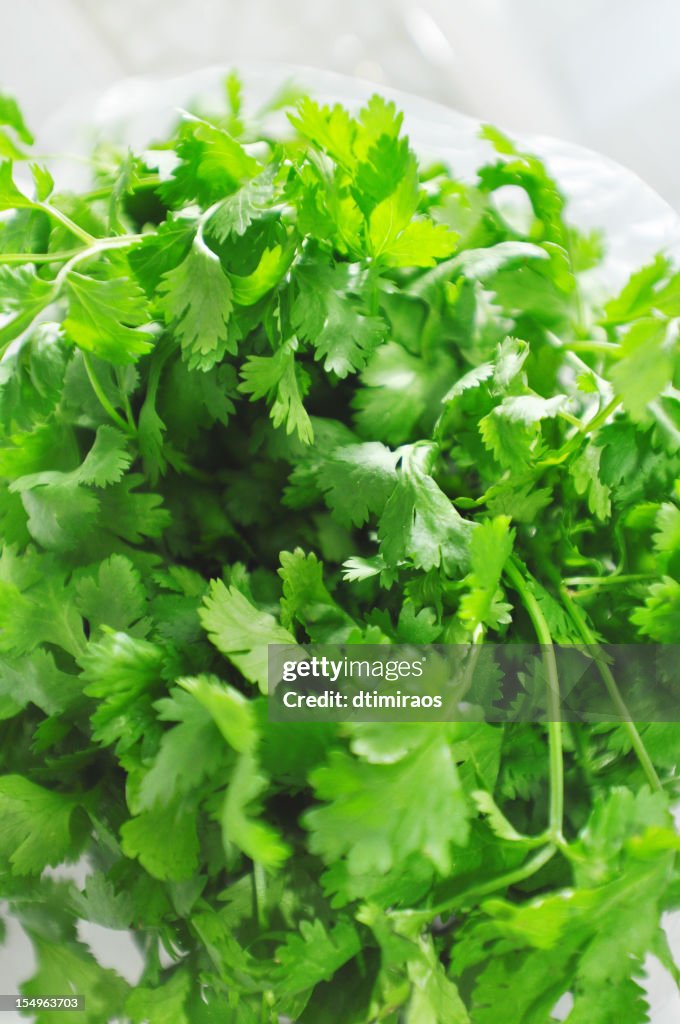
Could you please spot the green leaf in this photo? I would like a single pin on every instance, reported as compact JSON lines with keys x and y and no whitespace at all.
{"x":10,"y":196}
{"x":36,"y":680}
{"x":101,"y":904}
{"x":237,"y":212}
{"x":161,"y":251}
{"x":36,"y":829}
{"x":190,"y":752}
{"x":273,"y":264}
{"x":435,"y":997}
{"x":329,"y":129}
{"x":659,"y":618}
{"x":419,"y":523}
{"x":107,"y":459}
{"x":376,"y":814}
{"x":60,"y":515}
{"x":212,"y":164}
{"x":256,"y":839}
{"x":648,"y":351}
{"x":315,"y":954}
{"x":165,"y":842}
{"x":228,"y":709}
{"x":123,"y":673}
{"x":307,"y":600}
{"x":114,"y":596}
{"x":43,"y":613}
{"x":420,"y":244}
{"x":357,"y":480}
{"x":398,"y":391}
{"x":490,"y":548}
{"x":69,"y":968}
{"x":104,"y":316}
{"x":130,"y":514}
{"x":327,"y":315}
{"x":241,"y":631}
{"x":483,"y":263}
{"x":390,"y":217}
{"x":197,"y":302}
{"x":10,"y":115}
{"x":164,"y":1004}
{"x":44,"y":182}
{"x":585,"y":471}
{"x":23,"y":295}
{"x":496,"y":820}
{"x":278,"y":379}
{"x":511,"y":429}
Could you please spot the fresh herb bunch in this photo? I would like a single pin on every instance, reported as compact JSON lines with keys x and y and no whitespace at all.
{"x":304,"y":389}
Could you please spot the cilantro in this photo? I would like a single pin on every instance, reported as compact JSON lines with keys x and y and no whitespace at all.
{"x":289,"y":387}
{"x":197,"y":297}
{"x":103,"y":317}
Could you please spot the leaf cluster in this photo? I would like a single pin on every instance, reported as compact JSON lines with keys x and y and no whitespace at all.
{"x":304,"y":387}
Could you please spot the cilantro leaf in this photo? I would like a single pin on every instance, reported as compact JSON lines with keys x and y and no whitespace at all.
{"x":163,"y":1004}
{"x":419,"y":522}
{"x":422,"y":808}
{"x":237,"y":212}
{"x":37,"y":825}
{"x":241,"y":631}
{"x":196,"y":300}
{"x":164,"y":840}
{"x":490,"y":548}
{"x":104,"y":318}
{"x":258,"y":841}
{"x":282,"y":382}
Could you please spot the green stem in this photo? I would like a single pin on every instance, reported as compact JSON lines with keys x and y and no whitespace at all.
{"x":127,"y":408}
{"x":9,"y":332}
{"x":260,"y":894}
{"x":577,"y":617}
{"x":105,"y":193}
{"x":500,"y":882}
{"x":69,"y":224}
{"x":99,"y":245}
{"x":601,"y":417}
{"x":568,"y":418}
{"x":554,"y":724}
{"x":103,"y":398}
{"x":605,"y":348}
{"x":575,"y":441}
{"x":12,"y":258}
{"x":607,"y":581}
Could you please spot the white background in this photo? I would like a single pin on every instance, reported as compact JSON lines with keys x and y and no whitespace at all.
{"x":603,"y":73}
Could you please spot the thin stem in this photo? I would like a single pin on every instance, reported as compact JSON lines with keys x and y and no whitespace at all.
{"x":520,"y":874}
{"x":71,"y":225}
{"x":601,"y":417}
{"x":72,"y":256}
{"x":37,"y":257}
{"x":260,"y":894}
{"x":554,"y":724}
{"x":103,"y":399}
{"x":99,"y":245}
{"x":574,"y":442}
{"x":127,"y":408}
{"x":27,"y":319}
{"x":605,"y":348}
{"x":608,"y":581}
{"x":568,"y":418}
{"x":577,"y":617}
